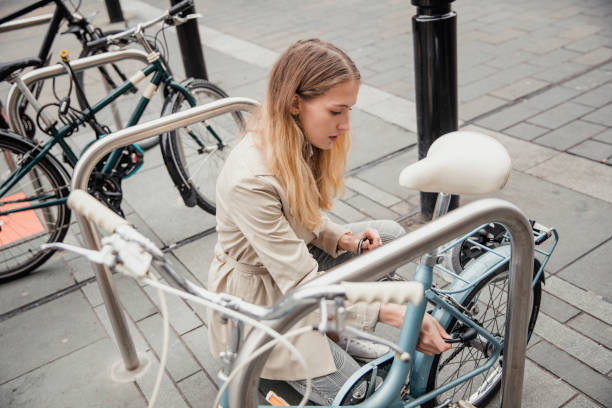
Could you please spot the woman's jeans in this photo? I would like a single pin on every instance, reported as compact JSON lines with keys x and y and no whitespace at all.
{"x":325,"y":388}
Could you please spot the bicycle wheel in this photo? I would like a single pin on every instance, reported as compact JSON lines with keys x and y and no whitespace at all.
{"x":200,"y":150}
{"x":487,"y":304}
{"x":22,"y":233}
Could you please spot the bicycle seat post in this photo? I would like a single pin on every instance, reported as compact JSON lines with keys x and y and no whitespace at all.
{"x":440,"y":209}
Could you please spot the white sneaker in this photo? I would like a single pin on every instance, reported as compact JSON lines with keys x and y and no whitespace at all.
{"x":363,"y":350}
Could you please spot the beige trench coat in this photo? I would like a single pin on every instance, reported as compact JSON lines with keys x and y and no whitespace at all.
{"x":262,"y":253}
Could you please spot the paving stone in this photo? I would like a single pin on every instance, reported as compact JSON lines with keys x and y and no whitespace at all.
{"x":198,"y":388}
{"x":479,"y":106}
{"x":372,"y":208}
{"x":182,"y":318}
{"x":574,"y":372}
{"x":581,"y":402}
{"x":578,"y":174}
{"x":551,"y":97}
{"x":133,"y":298}
{"x":369,"y":190}
{"x":92,"y":294}
{"x":81,"y":378}
{"x":584,"y":300}
{"x":597,"y":279}
{"x":589,"y":80}
{"x":553,"y":59}
{"x":575,"y":344}
{"x":46,"y":280}
{"x":347,"y":213}
{"x":569,"y":135}
{"x":479,"y":88}
{"x":594,"y":57}
{"x":593,"y":150}
{"x":168,"y":395}
{"x":196,"y":257}
{"x":560,"y":115}
{"x":597,"y":97}
{"x":546,"y":45}
{"x":474,"y":73}
{"x":592,"y":328}
{"x":557,"y":308}
{"x":605,"y":137}
{"x":560,"y":73}
{"x":525,"y":131}
{"x":541,"y":389}
{"x":519,"y":89}
{"x":197,"y":342}
{"x":180,"y":363}
{"x":140,"y":344}
{"x":602,"y":116}
{"x":38,"y":336}
{"x":404,"y":208}
{"x":588,"y":44}
{"x":507,"y":117}
{"x":386,"y":174}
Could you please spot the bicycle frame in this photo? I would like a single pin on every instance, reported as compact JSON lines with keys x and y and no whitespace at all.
{"x":159,"y":73}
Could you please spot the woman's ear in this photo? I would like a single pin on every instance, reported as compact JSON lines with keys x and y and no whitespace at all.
{"x":296,"y":105}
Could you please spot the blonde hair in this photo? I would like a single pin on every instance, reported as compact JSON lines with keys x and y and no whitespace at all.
{"x":312,"y":178}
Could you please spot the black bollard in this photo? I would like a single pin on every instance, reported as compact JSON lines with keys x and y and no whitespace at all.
{"x":191,"y":47}
{"x":113,"y":7}
{"x":434,"y":29}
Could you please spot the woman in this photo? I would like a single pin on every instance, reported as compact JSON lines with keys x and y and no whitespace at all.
{"x":272,"y":235}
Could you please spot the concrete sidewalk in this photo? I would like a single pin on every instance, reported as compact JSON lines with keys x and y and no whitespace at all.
{"x":535,"y":75}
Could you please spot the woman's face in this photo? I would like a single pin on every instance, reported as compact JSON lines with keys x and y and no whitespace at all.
{"x":324,"y":118}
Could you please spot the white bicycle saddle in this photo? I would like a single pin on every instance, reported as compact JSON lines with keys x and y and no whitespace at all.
{"x":460,"y":162}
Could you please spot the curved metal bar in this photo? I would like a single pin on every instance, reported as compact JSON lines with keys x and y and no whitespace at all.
{"x":82,"y":172}
{"x":243,"y":390}
{"x":25,"y":22}
{"x":57,"y":69}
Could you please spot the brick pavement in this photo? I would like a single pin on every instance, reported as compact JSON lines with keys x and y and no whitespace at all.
{"x":535,"y":75}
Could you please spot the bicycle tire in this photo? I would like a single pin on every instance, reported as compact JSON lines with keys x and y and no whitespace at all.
{"x":119,"y":122}
{"x":480,"y":389}
{"x":22,"y":233}
{"x":198,"y":167}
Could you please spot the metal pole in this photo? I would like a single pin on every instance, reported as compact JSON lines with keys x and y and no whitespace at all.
{"x":113,"y":7}
{"x":243,"y":390}
{"x":80,"y":177}
{"x":191,"y":47}
{"x":434,"y":30}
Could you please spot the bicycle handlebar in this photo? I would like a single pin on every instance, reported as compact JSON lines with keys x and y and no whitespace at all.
{"x":95,"y":211}
{"x":110,"y":39}
{"x":385,"y":292}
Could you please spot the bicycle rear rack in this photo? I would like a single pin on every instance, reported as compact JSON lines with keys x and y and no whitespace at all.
{"x":243,"y":390}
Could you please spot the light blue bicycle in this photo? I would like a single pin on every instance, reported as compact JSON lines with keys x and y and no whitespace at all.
{"x":473,"y":308}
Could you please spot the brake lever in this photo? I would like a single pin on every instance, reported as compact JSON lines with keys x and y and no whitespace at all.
{"x":178,"y":20}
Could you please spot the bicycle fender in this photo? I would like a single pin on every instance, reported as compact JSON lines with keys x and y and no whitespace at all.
{"x":178,"y":177}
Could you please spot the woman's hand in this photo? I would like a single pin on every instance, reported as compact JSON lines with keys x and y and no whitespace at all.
{"x":349,"y":242}
{"x":431,"y":335}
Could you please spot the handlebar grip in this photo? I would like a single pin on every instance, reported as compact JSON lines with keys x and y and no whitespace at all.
{"x":177,"y":8}
{"x":95,"y":44}
{"x":96,"y":212}
{"x":385,"y":292}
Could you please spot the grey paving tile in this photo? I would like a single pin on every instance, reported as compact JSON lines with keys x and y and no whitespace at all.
{"x":560,"y":73}
{"x":479,"y":106}
{"x":133,"y":298}
{"x":38,"y":336}
{"x":405,"y":208}
{"x":605,"y":137}
{"x":140,"y":344}
{"x":169,"y":395}
{"x":182,"y":318}
{"x":584,"y":300}
{"x":371,"y":207}
{"x":581,"y":402}
{"x":589,"y":80}
{"x":526,"y":131}
{"x":551,"y":97}
{"x":198,"y":388}
{"x":597,"y":97}
{"x":369,"y":190}
{"x":519,"y":89}
{"x":50,"y":278}
{"x":574,"y":343}
{"x":197,"y":256}
{"x":385,"y":175}
{"x":593,"y":328}
{"x":346,"y":212}
{"x":574,"y":372}
{"x":578,"y":174}
{"x":92,"y":294}
{"x":560,"y":115}
{"x":475,"y":73}
{"x":557,"y":308}
{"x":602,"y":116}
{"x":589,"y":43}
{"x":569,"y":135}
{"x":592,"y":272}
{"x":541,"y":389}
{"x":595,"y":57}
{"x":593,"y":150}
{"x":507,"y":116}
{"x":180,"y":363}
{"x":197,"y":342}
{"x":81,"y":378}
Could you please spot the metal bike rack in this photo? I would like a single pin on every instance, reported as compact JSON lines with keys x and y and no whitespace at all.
{"x":25,"y":22}
{"x":80,"y":177}
{"x":57,"y":70}
{"x":243,"y":389}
